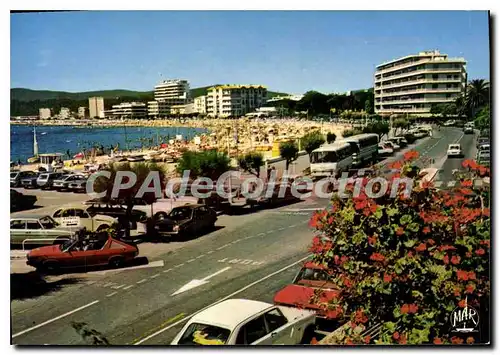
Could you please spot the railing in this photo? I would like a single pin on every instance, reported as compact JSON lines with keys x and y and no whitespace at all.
{"x":41,"y":240}
{"x":416,"y":72}
{"x":417,"y":81}
{"x":418,"y":91}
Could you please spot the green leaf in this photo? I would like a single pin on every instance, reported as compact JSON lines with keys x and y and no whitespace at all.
{"x":405,"y":219}
{"x":396,"y":312}
{"x":391,"y":211}
{"x":378,"y":214}
{"x":410,"y":243}
{"x":414,"y":227}
{"x":390,"y":326}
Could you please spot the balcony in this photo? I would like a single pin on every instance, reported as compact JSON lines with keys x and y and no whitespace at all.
{"x":403,"y":110}
{"x":418,"y":101}
{"x":420,"y":91}
{"x":419,"y":81}
{"x":421,"y":71}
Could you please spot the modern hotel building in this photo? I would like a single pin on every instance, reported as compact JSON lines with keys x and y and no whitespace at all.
{"x":413,"y":84}
{"x":234,"y":100}
{"x":168,"y":93}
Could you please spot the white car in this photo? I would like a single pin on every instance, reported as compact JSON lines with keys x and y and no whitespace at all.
{"x":449,"y":123}
{"x":454,"y":150}
{"x":393,"y":145}
{"x":77,"y":216}
{"x":384,"y":150}
{"x":247,"y":322}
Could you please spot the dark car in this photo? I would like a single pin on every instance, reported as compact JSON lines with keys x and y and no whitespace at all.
{"x":184,"y":221}
{"x":115,"y":210}
{"x":19,"y":201}
{"x":410,"y":138}
{"x":17,"y":176}
{"x":46,"y":180}
{"x":30,"y":182}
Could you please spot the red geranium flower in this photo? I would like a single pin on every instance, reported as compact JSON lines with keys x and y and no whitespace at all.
{"x":462,"y":275}
{"x":461,"y":304}
{"x":421,"y":247}
{"x":404,"y":309}
{"x":480,"y":251}
{"x":395,"y":335}
{"x":446,"y":259}
{"x":402,"y":339}
{"x":377,"y":257}
{"x":455,"y":259}
{"x":468,"y":254}
{"x":372,"y":240}
{"x":471,"y":275}
{"x":431,"y":241}
{"x":387,"y":278}
{"x":426,"y":230}
{"x":367,"y":339}
{"x":400,"y":231}
{"x":360,"y":317}
{"x":485,"y":242}
{"x":470,"y":288}
{"x":437,"y":341}
{"x":395,"y":165}
{"x":412,"y":154}
{"x":457,"y":340}
{"x":413,"y":308}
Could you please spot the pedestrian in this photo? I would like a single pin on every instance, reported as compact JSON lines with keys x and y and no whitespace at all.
{"x":19,"y":162}
{"x":68,"y":154}
{"x":268,"y":173}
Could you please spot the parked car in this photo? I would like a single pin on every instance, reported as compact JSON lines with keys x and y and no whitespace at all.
{"x":19,"y":201}
{"x":78,"y":185}
{"x":17,"y":176}
{"x":469,"y":129}
{"x":247,"y":322}
{"x":184,"y":221}
{"x":482,"y":141}
{"x":310,"y":279}
{"x":384,"y":150}
{"x":410,"y":138}
{"x":115,"y":210}
{"x":30,"y":182}
{"x":393,"y":145}
{"x":454,"y":150}
{"x":63,"y":182}
{"x":46,"y":180}
{"x":160,"y":208}
{"x":44,"y":229}
{"x":483,"y":154}
{"x":78,"y":216}
{"x":400,"y":141}
{"x":82,"y":253}
{"x":449,"y":123}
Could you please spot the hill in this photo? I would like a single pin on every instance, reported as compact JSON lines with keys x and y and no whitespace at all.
{"x":21,"y":94}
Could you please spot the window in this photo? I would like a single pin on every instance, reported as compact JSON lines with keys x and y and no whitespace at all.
{"x":252,"y":331}
{"x":204,"y":334}
{"x":275,"y":319}
{"x":81,"y":213}
{"x":47,"y":222}
{"x":70,"y":212}
{"x":435,"y":76}
{"x":17,"y":224}
{"x":33,"y":225}
{"x":434,"y":86}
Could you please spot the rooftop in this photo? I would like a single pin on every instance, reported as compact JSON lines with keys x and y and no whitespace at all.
{"x":434,"y":53}
{"x":228,"y":314}
{"x":236,"y":86}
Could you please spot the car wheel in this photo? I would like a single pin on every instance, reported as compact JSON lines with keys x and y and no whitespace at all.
{"x":102,"y":227}
{"x":116,"y":262}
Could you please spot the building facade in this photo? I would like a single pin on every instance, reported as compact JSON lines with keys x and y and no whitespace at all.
{"x":200,"y":104}
{"x":413,"y":84}
{"x":96,"y":107}
{"x":130,"y":110}
{"x":82,"y":112}
{"x":158,"y":109}
{"x":173,"y":92}
{"x":234,"y":100}
{"x":44,"y":113}
{"x":64,"y":113}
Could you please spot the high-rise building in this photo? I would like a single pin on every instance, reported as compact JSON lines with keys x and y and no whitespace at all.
{"x":413,"y":84}
{"x":82,"y":112}
{"x":234,"y":100}
{"x":44,"y":113}
{"x":200,"y":104}
{"x":173,"y":92}
{"x":130,"y":110}
{"x":158,"y":109}
{"x":64,"y":113}
{"x":96,"y":107}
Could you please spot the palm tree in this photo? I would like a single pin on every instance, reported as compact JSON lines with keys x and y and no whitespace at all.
{"x":478,"y":92}
{"x":461,"y":105}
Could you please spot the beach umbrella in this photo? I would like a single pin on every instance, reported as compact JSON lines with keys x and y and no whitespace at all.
{"x":78,"y":156}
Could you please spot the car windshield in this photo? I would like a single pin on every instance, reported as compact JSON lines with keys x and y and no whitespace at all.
{"x":454,"y":146}
{"x":180,"y":213}
{"x":43,"y":176}
{"x":324,"y":157}
{"x":67,"y":244}
{"x":204,"y":334}
{"x":309,"y":274}
{"x":13,"y":175}
{"x":48,"y":223}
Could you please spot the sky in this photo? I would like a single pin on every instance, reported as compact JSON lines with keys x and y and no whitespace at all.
{"x":288,"y":51}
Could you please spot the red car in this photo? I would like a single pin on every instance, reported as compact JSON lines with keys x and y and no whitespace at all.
{"x":82,"y":253}
{"x":310,"y":279}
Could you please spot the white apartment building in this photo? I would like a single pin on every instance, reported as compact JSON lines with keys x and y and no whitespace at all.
{"x":235,"y":100}
{"x":286,"y":97}
{"x":174,"y":92}
{"x":200,"y":104}
{"x":82,"y":112}
{"x":44,"y":113}
{"x":158,"y":109}
{"x":413,"y":84}
{"x":96,"y":107}
{"x":130,"y":110}
{"x":64,"y":113}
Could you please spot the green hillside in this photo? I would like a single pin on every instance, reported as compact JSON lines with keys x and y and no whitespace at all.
{"x":21,"y":94}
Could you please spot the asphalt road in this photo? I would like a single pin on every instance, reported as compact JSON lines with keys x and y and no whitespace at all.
{"x":252,"y":256}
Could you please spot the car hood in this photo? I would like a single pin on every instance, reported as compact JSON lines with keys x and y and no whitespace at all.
{"x":104,"y":218}
{"x":47,"y":250}
{"x":301,"y":296}
{"x":170,"y":222}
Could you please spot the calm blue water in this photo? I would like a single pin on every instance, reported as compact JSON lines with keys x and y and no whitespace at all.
{"x":59,"y":139}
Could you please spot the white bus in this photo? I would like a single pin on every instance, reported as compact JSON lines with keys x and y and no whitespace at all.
{"x":331,"y":159}
{"x":365,"y":147}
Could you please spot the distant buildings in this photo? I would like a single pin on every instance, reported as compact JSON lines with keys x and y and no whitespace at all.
{"x":413,"y":84}
{"x":44,"y":113}
{"x":130,"y":110}
{"x":82,"y":112}
{"x":200,"y":104}
{"x":64,"y":113}
{"x":96,"y":107}
{"x":286,"y":97}
{"x":234,"y":100}
{"x":167,"y":94}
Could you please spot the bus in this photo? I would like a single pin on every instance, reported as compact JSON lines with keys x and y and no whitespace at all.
{"x":331,"y":159}
{"x":365,"y":148}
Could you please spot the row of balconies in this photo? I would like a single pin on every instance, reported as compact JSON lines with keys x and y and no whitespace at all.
{"x":417,"y":81}
{"x":427,"y":61}
{"x":416,"y":101}
{"x":418,"y":91}
{"x":417,"y":72}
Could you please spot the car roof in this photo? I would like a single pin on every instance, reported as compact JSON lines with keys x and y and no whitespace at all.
{"x":30,"y":216}
{"x":230,"y":313}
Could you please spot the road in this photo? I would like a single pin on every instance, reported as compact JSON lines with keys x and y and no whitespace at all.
{"x":250,"y":256}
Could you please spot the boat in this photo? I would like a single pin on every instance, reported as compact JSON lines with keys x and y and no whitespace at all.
{"x":43,"y":133}
{"x":135,"y":158}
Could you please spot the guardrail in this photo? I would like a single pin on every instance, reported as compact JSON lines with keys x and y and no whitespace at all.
{"x":41,"y":240}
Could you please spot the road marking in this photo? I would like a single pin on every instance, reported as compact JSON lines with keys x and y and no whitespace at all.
{"x":141,"y":281}
{"x":179,"y":265}
{"x":158,"y":263}
{"x":129,"y":286}
{"x":222,"y":299}
{"x":261,"y":234}
{"x":300,"y":209}
{"x":108,"y":284}
{"x":222,"y":247}
{"x":165,"y":271}
{"x":112,"y":294}
{"x":174,"y":318}
{"x":210,"y":252}
{"x":200,"y":256}
{"x":117,"y":287}
{"x":190,"y":261}
{"x":155,"y":276}
{"x":281,"y":229}
{"x":54,"y":319}
{"x":292,"y":226}
{"x":269,"y":232}
{"x":195,"y":283}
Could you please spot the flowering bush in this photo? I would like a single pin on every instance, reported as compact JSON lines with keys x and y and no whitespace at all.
{"x":408,"y":262}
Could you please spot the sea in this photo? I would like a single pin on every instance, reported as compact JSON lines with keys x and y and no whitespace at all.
{"x":60,"y":139}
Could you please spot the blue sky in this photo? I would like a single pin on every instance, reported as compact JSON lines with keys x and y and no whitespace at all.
{"x":328,"y":51}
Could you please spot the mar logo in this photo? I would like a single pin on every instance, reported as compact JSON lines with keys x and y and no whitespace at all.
{"x":464,"y":320}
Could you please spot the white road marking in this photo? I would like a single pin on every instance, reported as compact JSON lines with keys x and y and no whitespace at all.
{"x":300,"y":209}
{"x":269,"y":232}
{"x":222,"y":299}
{"x":155,"y":276}
{"x":158,"y":263}
{"x":261,"y":234}
{"x":117,"y":287}
{"x":210,"y":252}
{"x":281,"y":229}
{"x":222,"y":247}
{"x":292,"y":226}
{"x":195,"y":283}
{"x":108,"y":284}
{"x":165,"y":271}
{"x":179,"y":265}
{"x":141,"y":281}
{"x":54,"y":319}
{"x":190,"y":261}
{"x":112,"y":294}
{"x":200,"y":256}
{"x":129,"y":286}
